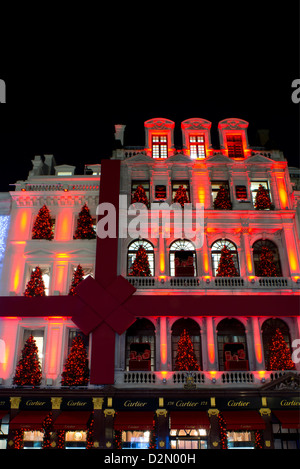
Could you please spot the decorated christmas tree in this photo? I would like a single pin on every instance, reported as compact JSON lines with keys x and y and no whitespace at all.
{"x":186,"y":359}
{"x":181,"y":196}
{"x":28,"y":371}
{"x":140,"y":196}
{"x":222,"y":201}
{"x":42,"y":227}
{"x":85,"y":229}
{"x":35,"y":286}
{"x":279,"y":354}
{"x":266,"y":266}
{"x":140,"y":266}
{"x":222,"y":431}
{"x":77,"y":278}
{"x":76,"y":372}
{"x":262,"y":199}
{"x":226,"y":267}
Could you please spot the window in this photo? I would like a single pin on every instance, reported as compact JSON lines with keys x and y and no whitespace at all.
{"x":136,"y":184}
{"x":135,"y":439}
{"x":177,"y":184}
{"x":159,"y":146}
{"x":38,"y":335}
{"x":257,"y":249}
{"x":132,"y":250}
{"x":33,"y":439}
{"x":231,"y":341}
{"x":72,"y":333}
{"x":235,"y":146}
{"x":216,"y":254}
{"x":241,"y":192}
{"x":193,"y":330}
{"x":285,"y":438}
{"x":269,"y":328}
{"x":197,"y":146}
{"x":240,"y":440}
{"x":188,"y":439}
{"x":140,"y":346}
{"x":215,"y":186}
{"x":254,"y":188}
{"x":182,"y":259}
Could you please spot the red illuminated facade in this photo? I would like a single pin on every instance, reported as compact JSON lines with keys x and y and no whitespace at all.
{"x":131,"y":326}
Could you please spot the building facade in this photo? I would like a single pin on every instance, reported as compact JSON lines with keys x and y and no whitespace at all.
{"x":139,"y":395}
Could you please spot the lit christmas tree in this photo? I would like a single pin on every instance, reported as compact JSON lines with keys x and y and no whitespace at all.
{"x":140,"y":266}
{"x":226,"y":267}
{"x":28,"y":371}
{"x":222,"y":201}
{"x":35,"y":286}
{"x":186,"y":359}
{"x":77,"y":278}
{"x":279,"y":354}
{"x":42,"y":227}
{"x":181,"y":196}
{"x":266,"y":266}
{"x":84,"y":228}
{"x":262,"y":199}
{"x":222,"y":431}
{"x":48,"y":429}
{"x":76,"y":372}
{"x":140,"y":196}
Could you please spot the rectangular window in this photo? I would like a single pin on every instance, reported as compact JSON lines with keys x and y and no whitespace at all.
{"x":38,"y":335}
{"x":241,"y":192}
{"x":235,"y":146}
{"x":215,"y":186}
{"x":136,"y":184}
{"x":71,"y":336}
{"x":254,"y":188}
{"x":160,"y":192}
{"x":197,"y":146}
{"x":159,"y":146}
{"x":177,"y":184}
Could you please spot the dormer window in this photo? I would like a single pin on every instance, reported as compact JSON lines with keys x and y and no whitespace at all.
{"x":197,"y":146}
{"x":235,"y":146}
{"x":159,"y":146}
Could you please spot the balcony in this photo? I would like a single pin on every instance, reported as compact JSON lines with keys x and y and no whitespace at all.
{"x":196,"y":379}
{"x":215,"y":283}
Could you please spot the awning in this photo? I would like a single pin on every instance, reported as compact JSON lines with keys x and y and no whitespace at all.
{"x":29,"y":420}
{"x":134,"y":421}
{"x":288,"y":418}
{"x":244,"y":420}
{"x":72,"y":420}
{"x":189,"y":420}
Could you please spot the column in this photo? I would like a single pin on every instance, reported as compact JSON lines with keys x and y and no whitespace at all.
{"x":292,"y":252}
{"x":265,"y":413}
{"x":14,"y":409}
{"x":249,"y":268}
{"x":99,"y":427}
{"x":163,"y":345}
{"x":56,"y":403}
{"x":162,"y":427}
{"x":212,"y":363}
{"x":258,"y":346}
{"x":214,"y":435}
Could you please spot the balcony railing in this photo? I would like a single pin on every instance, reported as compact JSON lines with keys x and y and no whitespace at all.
{"x":255,"y":283}
{"x":196,"y":379}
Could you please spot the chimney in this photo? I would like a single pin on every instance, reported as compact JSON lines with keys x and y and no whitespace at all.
{"x":119,"y":132}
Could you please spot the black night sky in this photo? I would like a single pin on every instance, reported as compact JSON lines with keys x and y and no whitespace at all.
{"x":65,"y":93}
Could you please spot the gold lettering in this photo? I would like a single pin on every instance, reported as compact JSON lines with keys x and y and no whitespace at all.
{"x":134,"y":404}
{"x":233,"y":403}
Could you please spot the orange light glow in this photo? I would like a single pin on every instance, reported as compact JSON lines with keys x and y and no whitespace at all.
{"x":62,"y":255}
{"x":293,"y":260}
{"x":16,"y":280}
{"x":162,"y":261}
{"x":201,"y":195}
{"x":257,"y":341}
{"x":249,"y":263}
{"x":282,"y":192}
{"x":163,"y":341}
{"x":64,"y":226}
{"x":205,"y":262}
{"x":210,"y":340}
{"x":53,"y":359}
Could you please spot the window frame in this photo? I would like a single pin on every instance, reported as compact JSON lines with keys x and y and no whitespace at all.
{"x":216,"y":254}
{"x":198,"y":150}
{"x":159,"y":145}
{"x":235,"y":146}
{"x":130,"y":252}
{"x":181,"y":243}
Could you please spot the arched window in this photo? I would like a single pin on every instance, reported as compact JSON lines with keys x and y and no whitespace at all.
{"x":193,"y":329}
{"x":140,"y":346}
{"x":182,"y":259}
{"x":132,"y":250}
{"x":269,"y":328}
{"x":257,"y":249}
{"x":232,"y":346}
{"x":216,"y":249}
